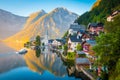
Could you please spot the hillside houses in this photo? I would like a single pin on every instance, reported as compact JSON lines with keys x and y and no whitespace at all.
{"x":95,"y":28}
{"x":74,"y":28}
{"x":73,"y":42}
{"x":78,"y":35}
{"x":111,"y":17}
{"x":56,"y":42}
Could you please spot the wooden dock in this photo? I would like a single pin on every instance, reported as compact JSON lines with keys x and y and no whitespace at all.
{"x":87,"y":73}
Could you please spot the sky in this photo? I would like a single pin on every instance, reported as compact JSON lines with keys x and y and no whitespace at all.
{"x":26,"y":7}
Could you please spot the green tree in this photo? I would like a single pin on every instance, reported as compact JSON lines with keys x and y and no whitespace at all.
{"x":108,"y":48}
{"x":38,"y":51}
{"x":100,"y":12}
{"x":79,"y":47}
{"x":71,"y":55}
{"x":65,"y":49}
{"x":38,"y":42}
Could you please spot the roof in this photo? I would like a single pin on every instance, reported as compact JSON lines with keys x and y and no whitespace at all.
{"x":77,"y":27}
{"x":100,"y":24}
{"x":80,"y":52}
{"x":59,"y":40}
{"x":50,"y":41}
{"x":92,"y":24}
{"x":82,"y":61}
{"x":91,"y":42}
{"x":95,"y":25}
{"x":82,"y":31}
{"x":73,"y":38}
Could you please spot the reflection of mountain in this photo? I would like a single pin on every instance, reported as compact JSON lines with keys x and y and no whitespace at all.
{"x":48,"y":62}
{"x":10,"y":23}
{"x":56,"y":22}
{"x":8,"y":59}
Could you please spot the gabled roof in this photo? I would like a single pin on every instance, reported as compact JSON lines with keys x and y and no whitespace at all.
{"x":82,"y":61}
{"x":91,"y":42}
{"x":95,"y":25}
{"x":50,"y":41}
{"x":92,"y":24}
{"x":80,"y":52}
{"x":73,"y":38}
{"x":77,"y":27}
{"x":59,"y":40}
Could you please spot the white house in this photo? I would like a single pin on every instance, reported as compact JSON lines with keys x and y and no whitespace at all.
{"x":56,"y":42}
{"x":73,"y":42}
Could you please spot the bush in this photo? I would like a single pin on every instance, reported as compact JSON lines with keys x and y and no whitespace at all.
{"x":79,"y":47}
{"x":71,"y":55}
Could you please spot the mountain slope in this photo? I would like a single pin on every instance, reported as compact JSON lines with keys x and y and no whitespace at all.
{"x":96,"y":4}
{"x":10,"y":24}
{"x":99,"y":12}
{"x":54,"y":23}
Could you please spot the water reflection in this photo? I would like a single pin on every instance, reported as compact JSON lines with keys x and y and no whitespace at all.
{"x":9,"y":59}
{"x":38,"y":52}
{"x":42,"y":64}
{"x":47,"y":61}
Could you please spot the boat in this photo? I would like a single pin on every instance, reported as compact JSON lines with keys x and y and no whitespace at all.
{"x":22,"y":51}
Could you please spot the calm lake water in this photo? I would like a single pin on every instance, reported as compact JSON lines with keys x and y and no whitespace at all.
{"x":46,"y":66}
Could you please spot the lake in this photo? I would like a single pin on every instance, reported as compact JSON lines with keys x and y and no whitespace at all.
{"x":45,"y":66}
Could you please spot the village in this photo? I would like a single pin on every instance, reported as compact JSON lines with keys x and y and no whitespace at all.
{"x":79,"y":42}
{"x":75,"y":48}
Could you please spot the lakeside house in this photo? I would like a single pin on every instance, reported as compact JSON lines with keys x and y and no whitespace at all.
{"x":56,"y":42}
{"x":87,"y":44}
{"x":73,"y":41}
{"x":75,"y":33}
{"x":84,"y":62}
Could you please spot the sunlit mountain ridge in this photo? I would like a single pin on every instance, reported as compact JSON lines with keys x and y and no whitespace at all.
{"x":55,"y":23}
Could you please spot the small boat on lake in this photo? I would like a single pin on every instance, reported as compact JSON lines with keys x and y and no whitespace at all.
{"x":22,"y":51}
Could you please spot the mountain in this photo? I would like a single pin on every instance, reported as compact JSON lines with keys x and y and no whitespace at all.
{"x":99,"y":12}
{"x":54,"y":23}
{"x":10,"y":23}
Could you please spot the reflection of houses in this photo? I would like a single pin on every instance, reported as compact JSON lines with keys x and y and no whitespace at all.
{"x":110,"y":18}
{"x":71,"y":70}
{"x":45,"y":62}
{"x":95,"y":28}
{"x":74,"y":28}
{"x":73,"y":42}
{"x":45,"y":40}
